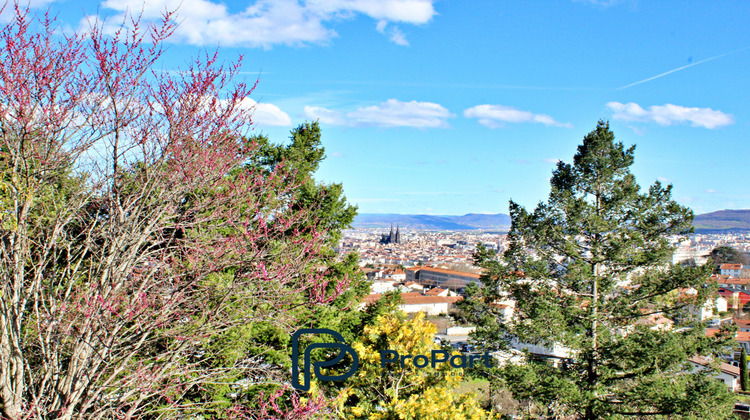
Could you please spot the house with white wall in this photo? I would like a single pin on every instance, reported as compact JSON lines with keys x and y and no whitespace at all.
{"x":728,"y":374}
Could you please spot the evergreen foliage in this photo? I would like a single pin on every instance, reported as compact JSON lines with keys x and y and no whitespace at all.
{"x":587,"y":270}
{"x":743,"y":369}
{"x":267,"y":344}
{"x":302,"y":157}
{"x":727,"y":255}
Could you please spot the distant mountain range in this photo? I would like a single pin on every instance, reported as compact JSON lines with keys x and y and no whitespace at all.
{"x":717,"y":222}
{"x":471,"y":221}
{"x":735,"y":221}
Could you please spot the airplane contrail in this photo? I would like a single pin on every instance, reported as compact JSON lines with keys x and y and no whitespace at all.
{"x":681,"y":68}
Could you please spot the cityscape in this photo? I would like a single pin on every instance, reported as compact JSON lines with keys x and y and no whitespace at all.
{"x":374,"y":209}
{"x":431,"y":270}
{"x":454,"y":249}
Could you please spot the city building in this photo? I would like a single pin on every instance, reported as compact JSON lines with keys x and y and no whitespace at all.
{"x":392,"y":238}
{"x":440,"y":277}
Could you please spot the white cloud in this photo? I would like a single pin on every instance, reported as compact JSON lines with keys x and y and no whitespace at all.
{"x":324,"y":115}
{"x":495,"y":116}
{"x":266,"y":115}
{"x":407,"y":11}
{"x":669,"y":114}
{"x":396,"y":36}
{"x":268,"y":22}
{"x":8,"y":12}
{"x":380,"y":27}
{"x":391,"y":113}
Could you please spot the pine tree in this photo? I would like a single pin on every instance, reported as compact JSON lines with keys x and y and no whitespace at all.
{"x":302,"y":157}
{"x":587,"y":269}
{"x":743,"y":370}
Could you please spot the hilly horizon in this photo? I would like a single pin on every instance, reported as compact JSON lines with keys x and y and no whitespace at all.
{"x":470,"y":221}
{"x":722,"y":221}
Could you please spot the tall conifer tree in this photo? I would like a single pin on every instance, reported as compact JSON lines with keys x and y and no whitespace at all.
{"x":588,"y":268}
{"x":743,"y":369}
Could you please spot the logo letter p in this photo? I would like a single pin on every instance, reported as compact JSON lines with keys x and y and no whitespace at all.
{"x":316,"y":366}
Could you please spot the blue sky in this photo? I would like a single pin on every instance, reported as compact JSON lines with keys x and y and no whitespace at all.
{"x":452,"y":107}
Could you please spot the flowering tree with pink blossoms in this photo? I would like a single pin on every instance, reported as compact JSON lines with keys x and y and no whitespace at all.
{"x":132,"y":225}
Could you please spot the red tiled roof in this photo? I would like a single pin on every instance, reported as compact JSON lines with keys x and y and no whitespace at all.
{"x":655,"y":319}
{"x":725,"y":367}
{"x":710,"y":332}
{"x":731,"y":266}
{"x":729,"y":369}
{"x":740,"y":336}
{"x":458,"y":273}
{"x":415,"y":299}
{"x":435,"y":291}
{"x":372,"y":298}
{"x":732,"y":281}
{"x":423,"y":300}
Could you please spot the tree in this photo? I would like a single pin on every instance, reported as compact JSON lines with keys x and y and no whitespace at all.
{"x":586,"y":269}
{"x":132,"y":226}
{"x":743,"y":369}
{"x":268,"y":341}
{"x":408,"y":392}
{"x":301,"y":158}
{"x":727,"y":255}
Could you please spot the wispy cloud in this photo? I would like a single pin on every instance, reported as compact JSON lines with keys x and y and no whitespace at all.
{"x":481,"y":86}
{"x":372,"y":200}
{"x":393,"y":32}
{"x":681,"y":68}
{"x":265,"y":23}
{"x":429,"y":193}
{"x":324,"y":115}
{"x":669,"y":114}
{"x":391,"y":113}
{"x":601,"y":3}
{"x":495,"y":116}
